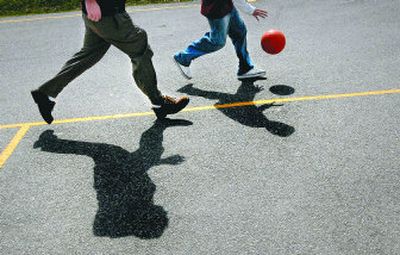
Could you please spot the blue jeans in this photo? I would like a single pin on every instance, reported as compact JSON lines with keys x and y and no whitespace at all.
{"x":232,"y":25}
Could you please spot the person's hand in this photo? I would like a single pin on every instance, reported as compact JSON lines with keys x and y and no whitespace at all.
{"x":93,"y":10}
{"x":259,"y":13}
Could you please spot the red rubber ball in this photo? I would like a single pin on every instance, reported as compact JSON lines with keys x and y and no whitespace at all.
{"x":273,"y":41}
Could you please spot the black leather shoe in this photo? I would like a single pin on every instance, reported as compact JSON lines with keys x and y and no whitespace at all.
{"x":45,"y":105}
{"x":170,"y":105}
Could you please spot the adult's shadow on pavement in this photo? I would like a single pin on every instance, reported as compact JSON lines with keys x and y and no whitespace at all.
{"x":251,"y":115}
{"x":124,"y":189}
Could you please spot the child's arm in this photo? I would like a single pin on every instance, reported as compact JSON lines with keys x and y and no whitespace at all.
{"x":249,"y":9}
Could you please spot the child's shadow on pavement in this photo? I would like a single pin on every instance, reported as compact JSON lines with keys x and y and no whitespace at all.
{"x":250,"y":115}
{"x":124,"y":189}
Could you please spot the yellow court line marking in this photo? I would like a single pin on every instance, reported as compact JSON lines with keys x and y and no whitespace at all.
{"x":24,"y":127}
{"x":163,"y":8}
{"x":75,"y":120}
{"x":13,"y":144}
{"x":294,"y":99}
{"x":38,"y":18}
{"x":66,"y":16}
{"x":209,"y":107}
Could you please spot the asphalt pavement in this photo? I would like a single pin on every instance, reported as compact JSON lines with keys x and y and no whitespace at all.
{"x":304,"y":162}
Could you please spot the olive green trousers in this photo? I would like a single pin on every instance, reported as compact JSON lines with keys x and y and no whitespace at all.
{"x":117,"y":30}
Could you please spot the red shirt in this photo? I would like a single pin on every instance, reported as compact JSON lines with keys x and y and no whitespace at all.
{"x":216,"y":9}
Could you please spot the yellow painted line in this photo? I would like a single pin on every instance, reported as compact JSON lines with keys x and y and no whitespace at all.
{"x":293,"y":99}
{"x":163,"y":8}
{"x":66,"y":16}
{"x":13,"y":144}
{"x":39,"y":18}
{"x":24,"y":127}
{"x":210,"y":107}
{"x":75,"y":120}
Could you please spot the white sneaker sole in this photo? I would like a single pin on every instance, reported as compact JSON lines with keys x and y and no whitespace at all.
{"x":260,"y":74}
{"x":180,"y":69}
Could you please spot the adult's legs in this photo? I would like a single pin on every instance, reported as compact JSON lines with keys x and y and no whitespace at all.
{"x":94,"y":48}
{"x":120,"y":31}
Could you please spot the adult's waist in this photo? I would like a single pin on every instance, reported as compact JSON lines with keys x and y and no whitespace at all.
{"x":107,"y":11}
{"x":114,"y":11}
